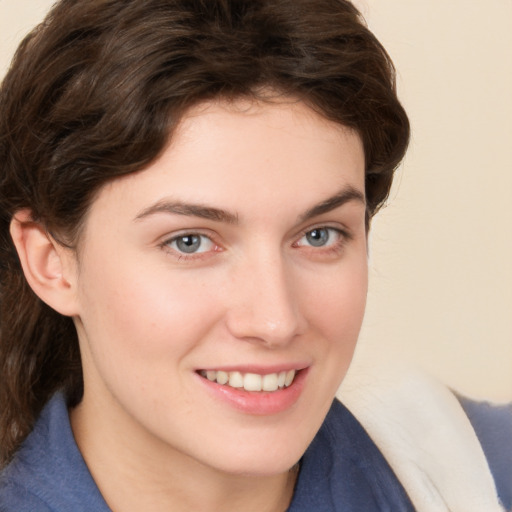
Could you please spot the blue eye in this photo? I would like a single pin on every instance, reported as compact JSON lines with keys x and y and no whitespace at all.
{"x":320,"y":237}
{"x":191,"y":243}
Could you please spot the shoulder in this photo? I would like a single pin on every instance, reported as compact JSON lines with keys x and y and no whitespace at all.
{"x":425,"y":435}
{"x":344,"y":470}
{"x":20,"y":482}
{"x":17,"y":498}
{"x":493,"y":427}
{"x":48,"y":472}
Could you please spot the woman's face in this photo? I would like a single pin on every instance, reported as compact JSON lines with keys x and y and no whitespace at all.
{"x":239,"y":255}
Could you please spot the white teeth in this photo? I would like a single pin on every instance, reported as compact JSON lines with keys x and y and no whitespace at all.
{"x":236,"y":380}
{"x":252,"y":381}
{"x":270,"y":382}
{"x":222,"y":377}
{"x":290,"y":375}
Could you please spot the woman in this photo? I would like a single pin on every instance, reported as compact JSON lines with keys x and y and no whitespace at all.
{"x":187,"y":188}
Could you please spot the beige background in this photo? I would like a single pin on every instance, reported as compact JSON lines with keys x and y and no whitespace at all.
{"x":441,"y":252}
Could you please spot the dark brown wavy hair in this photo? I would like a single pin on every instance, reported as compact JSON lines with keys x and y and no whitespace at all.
{"x":95,"y":91}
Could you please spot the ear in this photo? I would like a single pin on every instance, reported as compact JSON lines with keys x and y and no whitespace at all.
{"x":49,"y":268}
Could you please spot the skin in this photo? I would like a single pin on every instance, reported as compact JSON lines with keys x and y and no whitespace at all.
{"x":256,"y":293}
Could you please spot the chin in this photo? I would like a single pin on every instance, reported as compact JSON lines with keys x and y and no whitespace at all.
{"x":265,"y":456}
{"x":263,"y":466}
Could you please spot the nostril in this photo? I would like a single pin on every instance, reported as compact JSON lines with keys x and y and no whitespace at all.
{"x":269,"y":331}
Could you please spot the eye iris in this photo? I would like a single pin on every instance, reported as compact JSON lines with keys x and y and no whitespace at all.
{"x":188,"y":243}
{"x":317,"y":237}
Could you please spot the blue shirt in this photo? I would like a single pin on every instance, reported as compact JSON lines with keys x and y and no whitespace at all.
{"x":493,"y":426}
{"x":341,"y":471}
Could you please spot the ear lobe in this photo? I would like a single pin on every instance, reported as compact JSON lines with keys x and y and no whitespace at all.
{"x":49,"y":268}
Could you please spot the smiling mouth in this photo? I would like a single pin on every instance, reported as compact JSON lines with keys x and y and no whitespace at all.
{"x":251,"y":381}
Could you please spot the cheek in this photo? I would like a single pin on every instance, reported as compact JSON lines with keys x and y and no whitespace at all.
{"x":336,"y":314}
{"x":337,"y":303}
{"x":146,"y":315}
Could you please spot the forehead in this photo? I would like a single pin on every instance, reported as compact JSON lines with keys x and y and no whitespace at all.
{"x":268,"y":155}
{"x":281,"y":127}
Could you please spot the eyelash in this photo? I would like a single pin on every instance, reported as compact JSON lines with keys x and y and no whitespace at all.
{"x":333,"y":248}
{"x":336,"y":246}
{"x":166,"y":245}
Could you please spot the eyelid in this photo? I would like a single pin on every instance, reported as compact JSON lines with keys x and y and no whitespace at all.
{"x":341,"y":229}
{"x":173,"y":235}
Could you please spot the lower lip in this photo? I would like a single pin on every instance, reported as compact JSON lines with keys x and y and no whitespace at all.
{"x":260,"y":403}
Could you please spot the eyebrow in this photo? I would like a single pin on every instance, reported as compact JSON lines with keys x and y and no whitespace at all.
{"x":218,"y":215}
{"x":188,"y":209}
{"x":346,"y":195}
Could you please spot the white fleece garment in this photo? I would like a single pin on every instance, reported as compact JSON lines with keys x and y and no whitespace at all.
{"x":425,"y":436}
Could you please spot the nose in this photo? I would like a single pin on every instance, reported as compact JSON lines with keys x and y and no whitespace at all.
{"x":264,"y":305}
